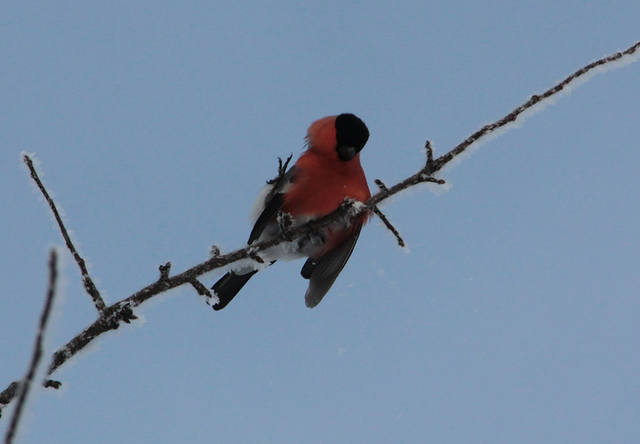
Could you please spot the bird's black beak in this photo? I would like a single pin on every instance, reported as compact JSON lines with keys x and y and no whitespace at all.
{"x":346,"y":152}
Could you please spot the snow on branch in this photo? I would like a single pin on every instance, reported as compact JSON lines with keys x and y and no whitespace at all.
{"x":111,"y":317}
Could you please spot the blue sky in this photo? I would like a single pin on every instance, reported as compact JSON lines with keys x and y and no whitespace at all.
{"x":514,"y":318}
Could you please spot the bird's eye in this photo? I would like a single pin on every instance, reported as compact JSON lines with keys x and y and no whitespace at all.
{"x":346,"y":152}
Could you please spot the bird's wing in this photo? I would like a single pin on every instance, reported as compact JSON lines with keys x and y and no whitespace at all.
{"x":271,"y":203}
{"x":323,"y":271}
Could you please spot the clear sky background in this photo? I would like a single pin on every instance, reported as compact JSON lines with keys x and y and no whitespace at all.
{"x":513,"y":319}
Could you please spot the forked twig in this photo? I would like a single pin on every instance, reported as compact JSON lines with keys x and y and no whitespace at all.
{"x":122,"y":311}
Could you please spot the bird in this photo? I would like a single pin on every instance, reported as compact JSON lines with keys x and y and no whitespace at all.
{"x":325,"y":174}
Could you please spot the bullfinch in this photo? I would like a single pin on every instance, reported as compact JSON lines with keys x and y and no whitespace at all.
{"x":327,"y":173}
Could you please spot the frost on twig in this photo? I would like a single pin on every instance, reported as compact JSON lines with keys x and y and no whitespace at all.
{"x":203,"y":291}
{"x":111,"y":316}
{"x":24,"y":386}
{"x":253,"y":254}
{"x":89,"y":286}
{"x":534,"y":100}
{"x":384,"y":218}
{"x":110,"y":320}
{"x":214,"y":251}
{"x":389,"y":226}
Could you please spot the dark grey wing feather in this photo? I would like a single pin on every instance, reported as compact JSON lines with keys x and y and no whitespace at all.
{"x":231,"y":283}
{"x":273,"y":205}
{"x":324,"y":270}
{"x":228,"y":287}
{"x":266,"y":217}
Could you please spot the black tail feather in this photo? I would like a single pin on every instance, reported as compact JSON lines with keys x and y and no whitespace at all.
{"x":228,"y":287}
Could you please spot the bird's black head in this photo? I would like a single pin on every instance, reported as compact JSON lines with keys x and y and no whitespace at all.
{"x":351,"y":135}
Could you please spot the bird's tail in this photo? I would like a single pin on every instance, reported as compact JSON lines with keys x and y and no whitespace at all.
{"x":228,"y":287}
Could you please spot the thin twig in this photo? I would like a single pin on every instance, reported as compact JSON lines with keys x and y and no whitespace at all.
{"x":381,"y":185}
{"x":37,"y":349}
{"x":7,"y":395}
{"x":254,"y":255}
{"x":164,"y":271}
{"x":427,"y":147}
{"x":123,"y":307}
{"x":89,"y":286}
{"x":389,"y":226}
{"x":52,"y":383}
{"x":536,"y":98}
{"x":202,"y":290}
{"x":122,"y":311}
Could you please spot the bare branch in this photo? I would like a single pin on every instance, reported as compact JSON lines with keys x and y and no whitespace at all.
{"x":536,"y":98}
{"x":122,"y":311}
{"x":37,"y":349}
{"x":381,"y":185}
{"x":203,"y":291}
{"x":89,"y":286}
{"x":109,"y":320}
{"x":389,"y":226}
{"x":123,"y":308}
{"x":254,"y":255}
{"x":7,"y":395}
{"x":51,"y":383}
{"x":200,"y":288}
